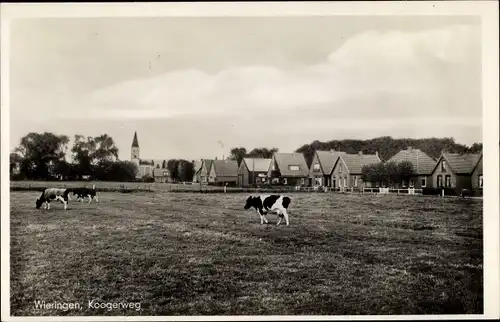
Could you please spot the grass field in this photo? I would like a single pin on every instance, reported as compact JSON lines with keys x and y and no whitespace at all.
{"x":202,"y":254}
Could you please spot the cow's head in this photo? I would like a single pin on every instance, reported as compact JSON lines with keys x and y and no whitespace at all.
{"x":249,"y":203}
{"x":39,"y":203}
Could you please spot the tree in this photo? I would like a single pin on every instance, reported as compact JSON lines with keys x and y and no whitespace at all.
{"x":173,"y":169}
{"x":164,"y":164}
{"x":264,"y":153}
{"x":39,"y":151}
{"x":185,"y":170}
{"x":392,"y":171}
{"x":238,"y":154}
{"x":476,"y":148}
{"x":15,"y":162}
{"x":105,"y":149}
{"x":83,"y":151}
{"x":405,"y":171}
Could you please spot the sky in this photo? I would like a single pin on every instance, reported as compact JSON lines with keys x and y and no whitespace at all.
{"x":193,"y":87}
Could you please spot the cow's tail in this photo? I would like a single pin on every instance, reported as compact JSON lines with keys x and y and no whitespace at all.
{"x":286,"y":202}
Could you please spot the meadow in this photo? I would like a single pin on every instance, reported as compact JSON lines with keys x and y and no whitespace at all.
{"x":203,"y":254}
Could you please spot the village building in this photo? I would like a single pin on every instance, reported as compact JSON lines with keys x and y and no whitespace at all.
{"x":347,"y":171}
{"x":422,"y":165}
{"x":253,"y":171}
{"x":288,"y":169}
{"x":458,"y":171}
{"x":322,"y":166}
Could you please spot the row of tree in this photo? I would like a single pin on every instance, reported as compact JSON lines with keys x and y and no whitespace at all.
{"x":388,"y":173}
{"x":387,"y":147}
{"x":44,"y":156}
{"x":240,"y":152}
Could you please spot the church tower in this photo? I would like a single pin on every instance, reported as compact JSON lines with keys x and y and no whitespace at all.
{"x":135,"y":157}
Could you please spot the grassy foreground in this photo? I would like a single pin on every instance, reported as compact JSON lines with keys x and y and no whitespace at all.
{"x":202,"y":254}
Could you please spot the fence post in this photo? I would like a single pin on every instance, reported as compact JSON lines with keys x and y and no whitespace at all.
{"x":442,"y":193}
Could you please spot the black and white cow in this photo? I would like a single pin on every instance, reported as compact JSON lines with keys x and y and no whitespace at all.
{"x":50,"y":194}
{"x":81,"y":193}
{"x":271,"y":203}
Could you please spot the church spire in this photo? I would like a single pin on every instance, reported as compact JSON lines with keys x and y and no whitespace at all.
{"x":135,"y":142}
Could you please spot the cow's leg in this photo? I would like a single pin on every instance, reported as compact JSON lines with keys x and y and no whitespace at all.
{"x":280,"y":216}
{"x":48,"y":205}
{"x":90,"y":198}
{"x":96,"y":199}
{"x":286,"y":216}
{"x":45,"y":204}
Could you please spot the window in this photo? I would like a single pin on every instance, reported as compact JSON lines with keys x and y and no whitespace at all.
{"x":316,"y":167}
{"x":423,"y":182}
{"x":293,"y":167}
{"x":480,"y":178}
{"x":355,"y":181}
{"x":302,"y":181}
{"x":412,"y":184}
{"x":403,"y":183}
{"x":340,"y":167}
{"x":345,"y":182}
{"x":443,"y":166}
{"x":439,"y":180}
{"x":447,"y":181}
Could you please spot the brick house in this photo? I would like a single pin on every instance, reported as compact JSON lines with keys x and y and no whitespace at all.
{"x":253,"y":169}
{"x":197,"y":171}
{"x":288,"y":169}
{"x":422,"y":165}
{"x":205,"y":171}
{"x":346,"y":172}
{"x":224,"y":172}
{"x":458,"y":171}
{"x":161,"y":175}
{"x":322,"y":166}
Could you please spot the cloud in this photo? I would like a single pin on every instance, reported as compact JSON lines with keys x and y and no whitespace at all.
{"x":435,"y":65}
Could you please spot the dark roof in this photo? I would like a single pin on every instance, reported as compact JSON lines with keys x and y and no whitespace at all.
{"x":135,"y":142}
{"x":197,"y":166}
{"x":257,"y":164}
{"x":207,"y":163}
{"x":461,"y":163}
{"x":422,"y":163}
{"x":225,"y":168}
{"x":284,"y":160}
{"x":355,"y":162}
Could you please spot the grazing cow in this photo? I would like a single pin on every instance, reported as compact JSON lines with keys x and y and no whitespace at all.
{"x":81,"y":193}
{"x":265,"y":204}
{"x":53,"y":193}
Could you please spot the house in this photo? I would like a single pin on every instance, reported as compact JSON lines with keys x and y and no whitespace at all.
{"x":224,"y":172}
{"x":422,"y":165}
{"x":197,"y":171}
{"x":161,"y":175}
{"x":458,"y":171}
{"x":253,"y":171}
{"x":205,"y":171}
{"x":322,"y":166}
{"x":288,"y":169}
{"x":346,"y":172}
